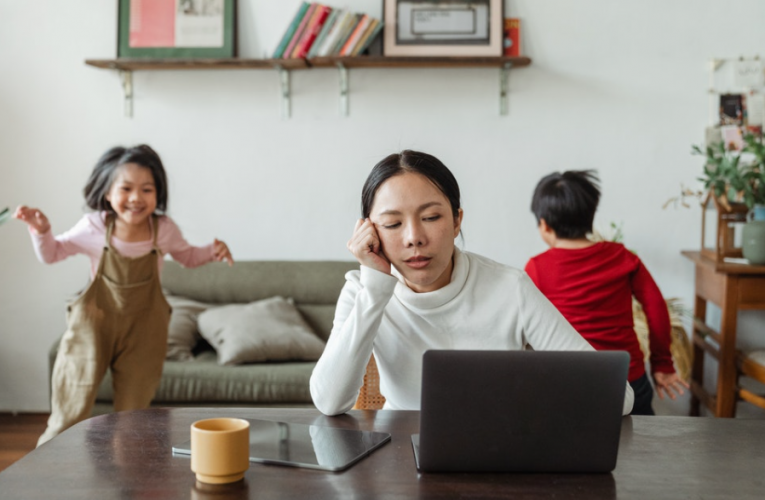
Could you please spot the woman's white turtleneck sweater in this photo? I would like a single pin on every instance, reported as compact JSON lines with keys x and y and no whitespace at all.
{"x":486,"y":306}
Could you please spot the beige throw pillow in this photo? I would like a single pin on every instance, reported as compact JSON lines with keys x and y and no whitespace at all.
{"x":183,"y":333}
{"x":266,"y":330}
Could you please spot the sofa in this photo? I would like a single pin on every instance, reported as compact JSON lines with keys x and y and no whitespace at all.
{"x":199,"y":379}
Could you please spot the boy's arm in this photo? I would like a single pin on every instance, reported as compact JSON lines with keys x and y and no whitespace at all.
{"x":657,"y":316}
{"x":659,"y":333}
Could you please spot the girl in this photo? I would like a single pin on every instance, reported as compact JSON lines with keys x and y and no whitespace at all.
{"x":416,"y":291}
{"x":120,"y":321}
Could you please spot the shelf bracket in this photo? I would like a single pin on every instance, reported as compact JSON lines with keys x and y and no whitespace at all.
{"x":286,"y":94}
{"x":126,"y":76}
{"x":344,"y":90}
{"x":504,"y":79}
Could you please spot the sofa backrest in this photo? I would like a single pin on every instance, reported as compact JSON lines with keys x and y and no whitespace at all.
{"x":313,"y":285}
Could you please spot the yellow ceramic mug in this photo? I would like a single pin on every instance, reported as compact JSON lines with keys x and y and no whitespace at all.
{"x":220,"y":449}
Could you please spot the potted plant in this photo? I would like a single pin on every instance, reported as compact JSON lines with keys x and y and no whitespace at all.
{"x":735,"y":183}
{"x":736,"y":176}
{"x":754,"y":195}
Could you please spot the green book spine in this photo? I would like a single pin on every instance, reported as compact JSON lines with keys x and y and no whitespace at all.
{"x":290,"y":30}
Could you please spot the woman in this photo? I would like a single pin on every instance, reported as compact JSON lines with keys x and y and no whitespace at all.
{"x":416,"y":291}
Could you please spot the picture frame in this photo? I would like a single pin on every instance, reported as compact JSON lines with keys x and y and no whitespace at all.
{"x":443,"y":28}
{"x":177,"y":29}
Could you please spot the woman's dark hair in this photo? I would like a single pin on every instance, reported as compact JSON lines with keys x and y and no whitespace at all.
{"x":567,"y":202}
{"x":104,"y":173}
{"x":411,"y":161}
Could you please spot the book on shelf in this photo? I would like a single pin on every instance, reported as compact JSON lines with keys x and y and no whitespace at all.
{"x":326,"y":27}
{"x":318,"y":30}
{"x":355,"y":35}
{"x":311,"y":31}
{"x":347,"y":31}
{"x":290,"y":32}
{"x":512,"y":37}
{"x":299,"y":32}
{"x":344,"y":17}
{"x":369,"y":35}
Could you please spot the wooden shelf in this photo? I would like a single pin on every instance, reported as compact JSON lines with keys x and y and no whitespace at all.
{"x":126,"y":66}
{"x":418,"y":62}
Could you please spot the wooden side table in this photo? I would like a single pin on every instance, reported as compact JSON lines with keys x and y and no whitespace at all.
{"x":732,"y":287}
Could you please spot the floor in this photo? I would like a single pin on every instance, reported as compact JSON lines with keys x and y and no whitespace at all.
{"x":18,"y":435}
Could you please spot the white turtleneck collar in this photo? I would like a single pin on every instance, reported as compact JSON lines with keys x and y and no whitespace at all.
{"x":436,"y":298}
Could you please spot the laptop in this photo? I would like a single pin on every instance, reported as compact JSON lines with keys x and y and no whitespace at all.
{"x":520,"y":411}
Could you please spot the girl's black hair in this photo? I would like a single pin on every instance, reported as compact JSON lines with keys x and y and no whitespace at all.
{"x":567,"y":202}
{"x":104,"y":173}
{"x":416,"y":162}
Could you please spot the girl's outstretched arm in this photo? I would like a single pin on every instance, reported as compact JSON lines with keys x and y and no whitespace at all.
{"x":82,"y":238}
{"x":34,"y":218}
{"x":221,"y":252}
{"x":172,"y":242}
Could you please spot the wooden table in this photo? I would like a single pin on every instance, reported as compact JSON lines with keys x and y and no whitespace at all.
{"x":732,"y":287}
{"x":127,"y":456}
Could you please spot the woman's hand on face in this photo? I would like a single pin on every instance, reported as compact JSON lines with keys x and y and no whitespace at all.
{"x":365,"y":245}
{"x":221,"y":253}
{"x":34,"y":218}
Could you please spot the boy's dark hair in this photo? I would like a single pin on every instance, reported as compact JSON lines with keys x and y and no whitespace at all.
{"x":567,"y":202}
{"x":104,"y":173}
{"x":411,"y":161}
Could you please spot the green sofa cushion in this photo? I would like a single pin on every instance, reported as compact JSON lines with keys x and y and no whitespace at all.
{"x":203,"y":380}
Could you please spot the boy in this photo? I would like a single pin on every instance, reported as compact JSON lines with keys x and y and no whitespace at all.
{"x":592,"y":284}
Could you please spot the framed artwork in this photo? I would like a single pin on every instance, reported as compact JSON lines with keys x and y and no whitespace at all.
{"x":177,"y":29}
{"x":443,"y":27}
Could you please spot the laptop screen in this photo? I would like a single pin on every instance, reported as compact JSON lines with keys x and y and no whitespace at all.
{"x":531,"y":411}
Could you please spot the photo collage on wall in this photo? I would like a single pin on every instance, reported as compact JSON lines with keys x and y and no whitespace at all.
{"x":742,"y":112}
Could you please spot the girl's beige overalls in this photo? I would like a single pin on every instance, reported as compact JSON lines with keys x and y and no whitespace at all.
{"x":120,"y":321}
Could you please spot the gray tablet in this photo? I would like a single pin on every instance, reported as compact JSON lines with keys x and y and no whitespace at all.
{"x":302,"y":445}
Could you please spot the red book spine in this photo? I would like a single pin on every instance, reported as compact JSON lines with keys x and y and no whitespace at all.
{"x":312,"y":31}
{"x":299,"y":31}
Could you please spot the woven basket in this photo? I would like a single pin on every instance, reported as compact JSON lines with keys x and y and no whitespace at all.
{"x":681,"y":348}
{"x":369,"y":395}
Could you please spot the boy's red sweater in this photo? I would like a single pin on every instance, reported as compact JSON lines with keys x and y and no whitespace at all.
{"x":593,"y":287}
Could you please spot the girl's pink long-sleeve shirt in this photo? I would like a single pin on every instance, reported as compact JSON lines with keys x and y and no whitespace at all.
{"x":88,"y":237}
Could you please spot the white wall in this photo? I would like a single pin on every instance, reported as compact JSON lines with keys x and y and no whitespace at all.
{"x":617,"y":86}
